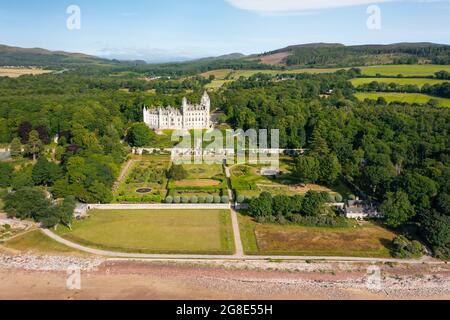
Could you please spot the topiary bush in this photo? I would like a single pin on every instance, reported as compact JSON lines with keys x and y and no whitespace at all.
{"x":338,"y":197}
{"x":201,"y":199}
{"x":209,"y":199}
{"x":225,"y":199}
{"x":177,"y":199}
{"x":194,"y":199}
{"x":240,"y":199}
{"x":169,"y":199}
{"x":184,"y":200}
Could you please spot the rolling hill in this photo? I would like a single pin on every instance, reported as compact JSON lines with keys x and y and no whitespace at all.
{"x":37,"y":57}
{"x":339,"y":55}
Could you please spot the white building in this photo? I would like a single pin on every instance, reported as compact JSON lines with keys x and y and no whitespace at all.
{"x":357,"y":209}
{"x":189,"y":117}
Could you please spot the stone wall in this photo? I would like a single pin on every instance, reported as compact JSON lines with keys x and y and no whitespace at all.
{"x":158,"y":206}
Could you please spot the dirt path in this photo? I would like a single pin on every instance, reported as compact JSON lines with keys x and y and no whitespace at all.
{"x":236,"y":257}
{"x":123,"y":174}
{"x":234,"y":217}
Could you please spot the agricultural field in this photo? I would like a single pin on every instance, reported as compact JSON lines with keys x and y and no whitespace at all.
{"x":424,"y":70}
{"x":155,"y":231}
{"x":216,"y":84}
{"x":248,"y":182}
{"x":364,"y":239}
{"x":204,"y":183}
{"x":226,"y":74}
{"x":402,"y":97}
{"x":420,"y":82}
{"x":146,"y":180}
{"x":17,"y":72}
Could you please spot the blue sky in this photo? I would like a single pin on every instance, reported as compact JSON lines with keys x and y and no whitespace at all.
{"x":169,"y":29}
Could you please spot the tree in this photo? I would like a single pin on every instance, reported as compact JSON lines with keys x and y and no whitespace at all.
{"x":6,"y":174}
{"x":140,"y":135}
{"x":45,"y":172}
{"x":65,"y":211}
{"x":34,"y":145}
{"x":177,"y":173}
{"x":100,"y":192}
{"x":403,"y":248}
{"x":281,"y":205}
{"x":15,"y":148}
{"x":261,"y":206}
{"x":23,"y":178}
{"x":313,"y":204}
{"x":330,"y":169}
{"x":318,"y":143}
{"x":27,"y":203}
{"x":306,"y":168}
{"x":24,"y":131}
{"x":397,"y":209}
{"x":437,"y":230}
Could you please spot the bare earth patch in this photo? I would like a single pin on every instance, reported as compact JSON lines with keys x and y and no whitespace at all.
{"x":275,"y":59}
{"x":197,"y":183}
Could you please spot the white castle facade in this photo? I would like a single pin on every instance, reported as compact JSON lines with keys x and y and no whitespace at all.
{"x":188,"y":118}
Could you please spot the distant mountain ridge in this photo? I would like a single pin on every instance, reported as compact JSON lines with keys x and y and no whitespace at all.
{"x":302,"y":55}
{"x":15,"y":56}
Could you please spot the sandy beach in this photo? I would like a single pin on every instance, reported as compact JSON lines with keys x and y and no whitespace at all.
{"x":41,"y":277}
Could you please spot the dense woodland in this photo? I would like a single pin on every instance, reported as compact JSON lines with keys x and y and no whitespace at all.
{"x":397,"y":155}
{"x":321,"y":55}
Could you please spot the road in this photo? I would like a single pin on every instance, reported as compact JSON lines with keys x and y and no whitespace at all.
{"x":234,"y":218}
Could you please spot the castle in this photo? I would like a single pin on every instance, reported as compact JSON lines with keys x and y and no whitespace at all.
{"x":190,"y":117}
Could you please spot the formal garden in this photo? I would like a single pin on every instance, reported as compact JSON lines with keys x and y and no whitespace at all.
{"x":146,"y":180}
{"x":248,"y":181}
{"x":197,"y":183}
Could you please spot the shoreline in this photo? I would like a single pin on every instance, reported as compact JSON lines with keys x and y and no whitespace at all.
{"x":44,"y":277}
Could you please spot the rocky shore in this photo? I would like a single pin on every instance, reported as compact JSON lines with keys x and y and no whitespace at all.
{"x":37,"y":277}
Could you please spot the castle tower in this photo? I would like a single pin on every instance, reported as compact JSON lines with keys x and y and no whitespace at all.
{"x":145,"y":115}
{"x":206,"y":101}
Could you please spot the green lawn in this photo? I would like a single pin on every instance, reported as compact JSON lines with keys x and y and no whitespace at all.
{"x":420,"y":82}
{"x":37,"y":242}
{"x":405,"y":70}
{"x":216,"y":84}
{"x":203,"y":171}
{"x":402,"y":97}
{"x":368,"y":240}
{"x":155,"y":231}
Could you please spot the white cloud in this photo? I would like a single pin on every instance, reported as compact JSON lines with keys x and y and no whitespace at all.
{"x":270,"y":7}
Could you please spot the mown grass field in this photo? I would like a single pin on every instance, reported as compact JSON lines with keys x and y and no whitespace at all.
{"x":402,"y":97}
{"x":17,"y":72}
{"x":37,"y":242}
{"x":368,"y":240}
{"x":420,"y":82}
{"x":405,"y":70}
{"x":155,"y":231}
